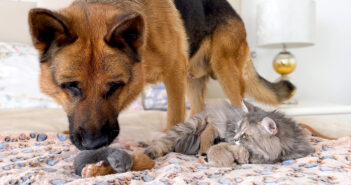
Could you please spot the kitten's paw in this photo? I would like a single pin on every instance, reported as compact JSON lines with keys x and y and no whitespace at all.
{"x":242,"y":155}
{"x":219,"y":156}
{"x":120,"y":161}
{"x":153,"y":152}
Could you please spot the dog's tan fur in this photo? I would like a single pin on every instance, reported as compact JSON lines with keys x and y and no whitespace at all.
{"x":92,"y":62}
{"x":81,"y":44}
{"x":225,"y":56}
{"x":163,"y":49}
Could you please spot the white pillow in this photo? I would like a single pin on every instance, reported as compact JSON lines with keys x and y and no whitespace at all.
{"x":19,"y":78}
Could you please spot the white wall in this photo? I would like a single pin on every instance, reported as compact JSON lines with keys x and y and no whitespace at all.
{"x":324,"y":70}
{"x":54,"y":4}
{"x":14,"y":21}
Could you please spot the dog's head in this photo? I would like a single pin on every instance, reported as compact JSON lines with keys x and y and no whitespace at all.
{"x":90,"y":63}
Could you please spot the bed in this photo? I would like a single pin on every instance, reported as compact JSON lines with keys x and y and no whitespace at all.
{"x":35,"y":150}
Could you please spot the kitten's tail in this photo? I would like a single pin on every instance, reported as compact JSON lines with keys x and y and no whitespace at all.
{"x":263,"y":90}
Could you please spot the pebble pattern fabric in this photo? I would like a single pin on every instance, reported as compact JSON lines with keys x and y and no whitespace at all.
{"x":30,"y":158}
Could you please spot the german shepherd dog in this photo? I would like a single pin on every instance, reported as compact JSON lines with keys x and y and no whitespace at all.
{"x":97,"y":55}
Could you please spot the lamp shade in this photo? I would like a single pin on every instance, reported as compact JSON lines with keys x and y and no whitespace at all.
{"x":289,"y":22}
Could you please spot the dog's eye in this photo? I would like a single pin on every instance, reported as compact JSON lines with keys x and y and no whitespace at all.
{"x":114,"y":86}
{"x":72,"y":87}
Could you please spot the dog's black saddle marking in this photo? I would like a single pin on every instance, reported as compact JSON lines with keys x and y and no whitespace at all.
{"x":202,"y":17}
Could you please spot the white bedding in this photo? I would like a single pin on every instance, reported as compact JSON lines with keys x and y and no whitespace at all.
{"x":135,"y":125}
{"x":19,"y":78}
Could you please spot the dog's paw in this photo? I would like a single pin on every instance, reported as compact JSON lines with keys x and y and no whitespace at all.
{"x":120,"y":161}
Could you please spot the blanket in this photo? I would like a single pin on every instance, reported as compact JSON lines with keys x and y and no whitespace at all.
{"x":32,"y":158}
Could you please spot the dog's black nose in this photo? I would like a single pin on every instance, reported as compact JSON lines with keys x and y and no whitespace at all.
{"x":92,"y":139}
{"x":91,"y":142}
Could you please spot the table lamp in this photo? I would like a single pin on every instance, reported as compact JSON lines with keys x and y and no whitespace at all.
{"x":285,"y":24}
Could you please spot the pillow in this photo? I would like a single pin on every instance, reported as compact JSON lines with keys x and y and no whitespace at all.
{"x":19,"y":73}
{"x":23,"y":102}
{"x":154,"y":97}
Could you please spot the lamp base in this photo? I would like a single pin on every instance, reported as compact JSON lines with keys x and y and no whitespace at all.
{"x":285,"y":63}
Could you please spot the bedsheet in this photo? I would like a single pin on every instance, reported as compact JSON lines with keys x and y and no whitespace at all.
{"x":47,"y":159}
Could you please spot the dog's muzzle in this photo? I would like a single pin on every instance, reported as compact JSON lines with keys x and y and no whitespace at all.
{"x":86,"y":139}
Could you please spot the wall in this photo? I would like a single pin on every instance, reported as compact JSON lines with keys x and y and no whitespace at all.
{"x":14,"y":21}
{"x":54,"y":4}
{"x":324,"y":70}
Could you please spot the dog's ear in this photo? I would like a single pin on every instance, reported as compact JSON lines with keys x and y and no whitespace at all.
{"x":127,"y":34}
{"x":49,"y":29}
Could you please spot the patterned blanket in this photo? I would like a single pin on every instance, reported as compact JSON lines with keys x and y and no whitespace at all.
{"x":28,"y":158}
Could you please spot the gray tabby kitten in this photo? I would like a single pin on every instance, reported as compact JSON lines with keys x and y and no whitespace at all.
{"x":255,"y":136}
{"x":119,"y":160}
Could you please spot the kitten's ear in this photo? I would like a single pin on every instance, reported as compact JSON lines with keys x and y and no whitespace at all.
{"x":250,"y":107}
{"x":269,"y":125}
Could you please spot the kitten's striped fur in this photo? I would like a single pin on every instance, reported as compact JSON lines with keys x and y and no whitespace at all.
{"x":256,"y":136}
{"x":185,"y":137}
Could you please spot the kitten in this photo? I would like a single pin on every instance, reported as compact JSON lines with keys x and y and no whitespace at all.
{"x":266,"y":137}
{"x":119,"y":160}
{"x":108,"y":160}
{"x":185,"y":137}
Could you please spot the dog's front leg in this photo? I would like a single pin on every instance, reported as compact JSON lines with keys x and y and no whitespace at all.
{"x":175,"y":82}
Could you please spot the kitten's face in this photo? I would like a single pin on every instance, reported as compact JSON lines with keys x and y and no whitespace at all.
{"x":120,"y":161}
{"x":257,"y":133}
